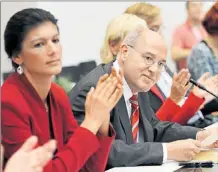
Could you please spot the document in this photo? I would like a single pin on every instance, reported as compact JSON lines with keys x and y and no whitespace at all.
{"x":210,"y":139}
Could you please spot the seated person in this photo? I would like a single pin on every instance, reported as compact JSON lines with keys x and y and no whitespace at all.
{"x":141,"y":139}
{"x":171,"y":87}
{"x":187,"y":34}
{"x":32,"y":105}
{"x":171,"y":110}
{"x":204,"y":55}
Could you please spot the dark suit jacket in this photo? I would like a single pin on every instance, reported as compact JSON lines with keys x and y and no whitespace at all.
{"x":124,"y":152}
{"x":157,"y":97}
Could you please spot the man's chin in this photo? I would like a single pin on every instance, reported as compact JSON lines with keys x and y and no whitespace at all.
{"x":146,"y":87}
{"x":146,"y":90}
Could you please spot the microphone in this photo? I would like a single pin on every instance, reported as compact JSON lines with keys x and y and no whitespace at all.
{"x":201,"y":87}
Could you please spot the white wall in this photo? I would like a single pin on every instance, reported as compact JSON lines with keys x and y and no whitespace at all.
{"x":83,"y":24}
{"x":7,"y":10}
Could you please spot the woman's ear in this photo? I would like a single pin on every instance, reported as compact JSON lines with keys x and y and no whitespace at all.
{"x":17,"y":60}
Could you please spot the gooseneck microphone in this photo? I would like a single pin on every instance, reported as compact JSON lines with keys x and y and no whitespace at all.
{"x":201,"y":87}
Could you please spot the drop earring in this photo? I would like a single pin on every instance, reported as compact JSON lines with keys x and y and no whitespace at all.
{"x":20,"y":70}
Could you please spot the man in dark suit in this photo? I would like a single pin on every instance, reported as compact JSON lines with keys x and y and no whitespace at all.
{"x":140,"y":137}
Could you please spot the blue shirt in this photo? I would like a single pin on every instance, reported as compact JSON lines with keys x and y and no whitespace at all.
{"x":201,"y":60}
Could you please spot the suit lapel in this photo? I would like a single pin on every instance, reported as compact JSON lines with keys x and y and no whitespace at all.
{"x":156,"y":89}
{"x":124,"y":119}
{"x":144,"y":110}
{"x":107,"y":67}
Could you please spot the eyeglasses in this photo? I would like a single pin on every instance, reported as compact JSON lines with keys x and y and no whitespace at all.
{"x":148,"y":60}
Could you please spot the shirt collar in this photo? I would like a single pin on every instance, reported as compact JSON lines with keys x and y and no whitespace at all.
{"x":127,"y":93}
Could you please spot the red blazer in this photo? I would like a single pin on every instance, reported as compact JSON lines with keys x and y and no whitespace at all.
{"x":23,"y":114}
{"x":170,"y":111}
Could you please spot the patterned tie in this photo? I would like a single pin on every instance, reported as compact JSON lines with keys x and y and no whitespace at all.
{"x":134,"y":117}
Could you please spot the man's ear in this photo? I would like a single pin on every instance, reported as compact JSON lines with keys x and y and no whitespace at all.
{"x":124,"y":52}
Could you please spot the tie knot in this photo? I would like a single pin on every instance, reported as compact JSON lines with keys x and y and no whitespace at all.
{"x":133,"y":100}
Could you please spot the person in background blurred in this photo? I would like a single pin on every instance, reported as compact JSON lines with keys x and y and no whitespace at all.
{"x":116,"y":31}
{"x":188,"y":34}
{"x":169,"y":85}
{"x":31,"y":104}
{"x":204,"y":56}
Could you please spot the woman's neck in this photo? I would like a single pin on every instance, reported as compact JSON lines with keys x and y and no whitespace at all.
{"x":41,"y":84}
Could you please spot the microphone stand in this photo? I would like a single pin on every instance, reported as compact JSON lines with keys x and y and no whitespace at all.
{"x":201,"y":87}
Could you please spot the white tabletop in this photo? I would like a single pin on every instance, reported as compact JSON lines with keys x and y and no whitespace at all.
{"x":169,"y":166}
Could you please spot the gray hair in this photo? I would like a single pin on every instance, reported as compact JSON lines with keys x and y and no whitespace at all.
{"x":133,"y":36}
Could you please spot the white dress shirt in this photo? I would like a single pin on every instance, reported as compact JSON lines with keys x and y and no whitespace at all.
{"x":127,"y":93}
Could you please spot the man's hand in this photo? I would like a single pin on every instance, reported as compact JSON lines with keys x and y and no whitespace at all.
{"x":179,"y":87}
{"x":183,"y":150}
{"x":203,"y":134}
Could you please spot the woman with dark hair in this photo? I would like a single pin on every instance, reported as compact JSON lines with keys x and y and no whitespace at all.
{"x":32,"y":105}
{"x":204,"y":56}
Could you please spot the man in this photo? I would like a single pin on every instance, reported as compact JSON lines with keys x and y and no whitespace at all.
{"x":139,"y":134}
{"x":188,"y":34}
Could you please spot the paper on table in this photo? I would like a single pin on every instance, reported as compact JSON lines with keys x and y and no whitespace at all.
{"x":210,"y":139}
{"x":207,"y":155}
{"x":208,"y":149}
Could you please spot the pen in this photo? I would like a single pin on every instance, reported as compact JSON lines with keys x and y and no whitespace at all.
{"x":206,"y":164}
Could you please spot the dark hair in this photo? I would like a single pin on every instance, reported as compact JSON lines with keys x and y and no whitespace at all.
{"x":210,"y":21}
{"x":19,"y":25}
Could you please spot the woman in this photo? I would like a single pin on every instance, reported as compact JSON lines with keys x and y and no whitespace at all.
{"x":115,"y":33}
{"x":32,"y":105}
{"x":204,"y":56}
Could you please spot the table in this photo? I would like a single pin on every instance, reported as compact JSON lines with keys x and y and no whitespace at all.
{"x":166,"y":167}
{"x":169,"y":166}
{"x":213,"y":169}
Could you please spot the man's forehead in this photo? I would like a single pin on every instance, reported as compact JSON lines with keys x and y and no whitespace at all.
{"x":152,"y":44}
{"x":150,"y":38}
